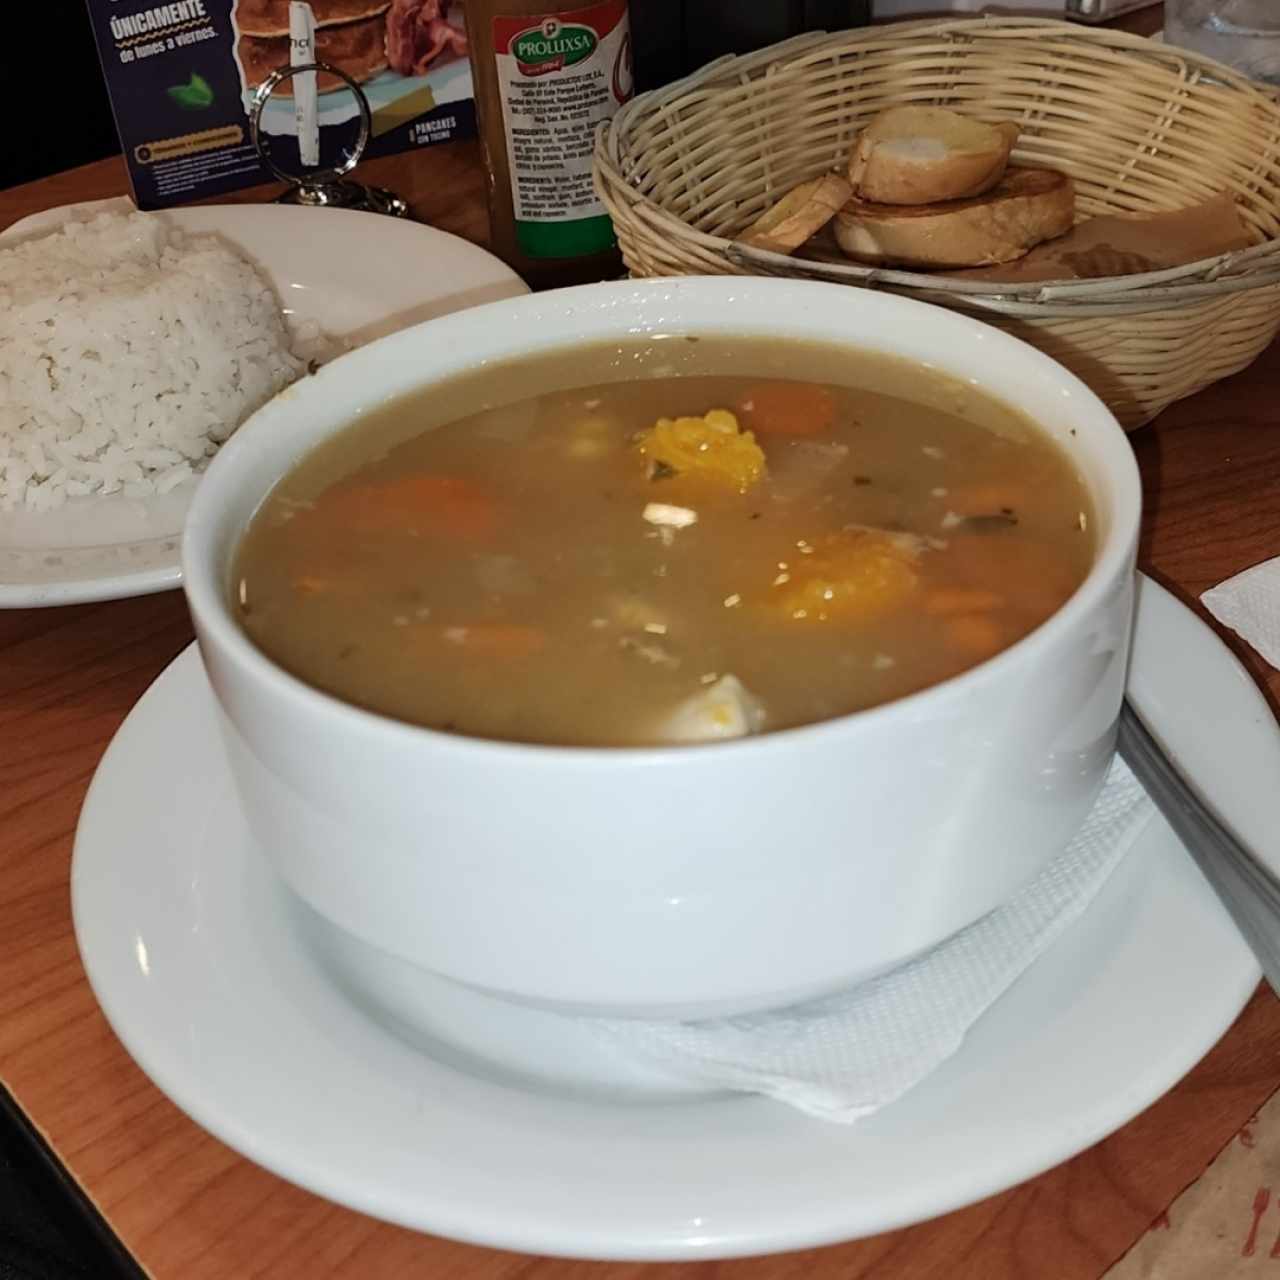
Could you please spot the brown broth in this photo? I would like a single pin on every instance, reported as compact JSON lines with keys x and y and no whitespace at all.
{"x":492,"y":573}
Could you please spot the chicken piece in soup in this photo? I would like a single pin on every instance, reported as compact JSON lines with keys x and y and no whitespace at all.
{"x":676,"y":540}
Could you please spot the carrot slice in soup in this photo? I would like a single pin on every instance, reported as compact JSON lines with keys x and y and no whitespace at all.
{"x":950,"y":600}
{"x":788,"y":409}
{"x":506,"y":640}
{"x":976,"y":635}
{"x":444,"y":506}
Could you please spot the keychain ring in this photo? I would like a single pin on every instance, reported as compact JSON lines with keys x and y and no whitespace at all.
{"x":320,"y":176}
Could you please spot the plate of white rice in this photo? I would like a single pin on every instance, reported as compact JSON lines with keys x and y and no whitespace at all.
{"x":132,"y":345}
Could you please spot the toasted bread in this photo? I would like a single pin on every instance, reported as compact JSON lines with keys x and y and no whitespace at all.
{"x":1026,"y":207}
{"x":1117,"y":245}
{"x":785,"y":226}
{"x":920,"y":155}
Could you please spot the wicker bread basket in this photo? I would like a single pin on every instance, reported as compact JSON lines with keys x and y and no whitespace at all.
{"x":1141,"y":127}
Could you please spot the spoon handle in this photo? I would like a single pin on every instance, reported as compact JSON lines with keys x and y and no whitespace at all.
{"x":1247,"y":888}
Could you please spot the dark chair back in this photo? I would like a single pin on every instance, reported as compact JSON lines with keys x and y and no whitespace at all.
{"x":675,"y":37}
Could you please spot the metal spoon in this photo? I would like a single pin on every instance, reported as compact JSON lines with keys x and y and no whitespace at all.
{"x":1248,"y":889}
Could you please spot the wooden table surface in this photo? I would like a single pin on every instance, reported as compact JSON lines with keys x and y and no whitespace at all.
{"x":188,"y":1208}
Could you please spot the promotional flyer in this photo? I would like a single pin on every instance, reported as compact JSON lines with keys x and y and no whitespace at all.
{"x":182,"y":78}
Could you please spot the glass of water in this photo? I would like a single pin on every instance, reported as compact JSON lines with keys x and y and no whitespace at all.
{"x":1245,"y":34}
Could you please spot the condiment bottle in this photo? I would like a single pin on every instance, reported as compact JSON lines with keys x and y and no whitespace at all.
{"x":546,"y":74}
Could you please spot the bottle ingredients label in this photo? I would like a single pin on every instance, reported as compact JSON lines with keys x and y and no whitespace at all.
{"x":559,"y":76}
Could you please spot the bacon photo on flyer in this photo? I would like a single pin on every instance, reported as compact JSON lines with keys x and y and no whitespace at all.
{"x":364,"y":38}
{"x":418,"y":33}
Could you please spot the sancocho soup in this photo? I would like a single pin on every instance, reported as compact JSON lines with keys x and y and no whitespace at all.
{"x":672,"y":540}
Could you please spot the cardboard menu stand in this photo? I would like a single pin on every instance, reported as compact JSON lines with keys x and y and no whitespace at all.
{"x":182,"y":76}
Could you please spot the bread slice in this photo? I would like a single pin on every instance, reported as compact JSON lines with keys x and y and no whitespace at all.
{"x":1026,"y":207}
{"x":919,"y":155}
{"x":785,"y":226}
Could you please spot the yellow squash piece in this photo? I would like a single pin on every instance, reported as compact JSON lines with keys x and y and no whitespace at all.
{"x":854,"y":575}
{"x":714,"y":446}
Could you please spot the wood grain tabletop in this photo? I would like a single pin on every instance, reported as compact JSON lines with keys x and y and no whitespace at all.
{"x":188,"y":1208}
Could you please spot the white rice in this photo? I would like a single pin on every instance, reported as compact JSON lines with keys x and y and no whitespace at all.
{"x":128,"y":353}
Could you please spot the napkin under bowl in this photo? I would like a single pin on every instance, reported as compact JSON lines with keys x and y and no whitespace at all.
{"x":836,"y":1058}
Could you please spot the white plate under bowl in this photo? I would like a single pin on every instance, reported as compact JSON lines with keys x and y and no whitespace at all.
{"x":193,"y":951}
{"x":358,"y":276}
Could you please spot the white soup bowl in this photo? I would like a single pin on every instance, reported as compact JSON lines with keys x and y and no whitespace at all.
{"x":674,"y":881}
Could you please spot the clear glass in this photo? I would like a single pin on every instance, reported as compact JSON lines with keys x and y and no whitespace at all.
{"x":1245,"y":34}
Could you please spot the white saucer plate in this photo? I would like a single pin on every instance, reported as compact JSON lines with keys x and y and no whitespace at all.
{"x":357,"y":275}
{"x":194,"y":952}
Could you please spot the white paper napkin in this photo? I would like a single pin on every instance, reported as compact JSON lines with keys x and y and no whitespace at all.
{"x":848,"y":1055}
{"x":1249,"y":604}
